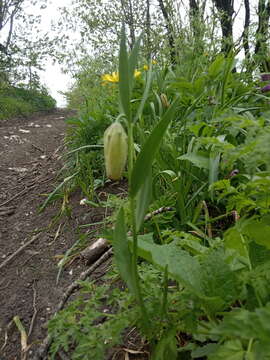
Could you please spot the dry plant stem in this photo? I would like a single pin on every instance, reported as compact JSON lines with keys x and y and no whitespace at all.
{"x":4,"y":263}
{"x":35,"y":311}
{"x":16,"y":195}
{"x":42,"y":351}
{"x":161,"y":210}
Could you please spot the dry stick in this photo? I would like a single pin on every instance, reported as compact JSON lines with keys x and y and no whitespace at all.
{"x":41,"y":352}
{"x":38,"y":148}
{"x":18,"y":194}
{"x":35,"y":311}
{"x":4,"y":263}
{"x":157,"y":212}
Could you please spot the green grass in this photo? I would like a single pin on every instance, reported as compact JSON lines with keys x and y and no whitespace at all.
{"x":18,"y":101}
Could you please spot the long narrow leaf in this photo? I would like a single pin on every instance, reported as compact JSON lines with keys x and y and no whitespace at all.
{"x":122,"y":253}
{"x":143,"y":200}
{"x":145,"y":94}
{"x":124,"y":82}
{"x":133,"y":59}
{"x":146,"y":157}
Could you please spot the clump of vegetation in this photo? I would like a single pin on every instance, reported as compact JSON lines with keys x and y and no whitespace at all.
{"x":196,"y":269}
{"x":18,"y":101}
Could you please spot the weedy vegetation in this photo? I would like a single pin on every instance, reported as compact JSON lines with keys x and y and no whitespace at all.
{"x":194,"y":276}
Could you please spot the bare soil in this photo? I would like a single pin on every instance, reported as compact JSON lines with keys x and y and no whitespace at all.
{"x":30,"y":153}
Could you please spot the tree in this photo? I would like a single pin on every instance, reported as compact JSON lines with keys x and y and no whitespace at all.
{"x":245,"y":34}
{"x":261,"y":47}
{"x":226,"y":11}
{"x":8,"y":11}
{"x":21,"y":50}
{"x":169,"y":28}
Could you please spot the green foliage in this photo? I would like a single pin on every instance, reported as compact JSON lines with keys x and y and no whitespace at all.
{"x":198,"y":143}
{"x":18,"y":101}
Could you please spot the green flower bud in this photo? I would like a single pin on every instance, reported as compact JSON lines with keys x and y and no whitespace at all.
{"x":115,"y":150}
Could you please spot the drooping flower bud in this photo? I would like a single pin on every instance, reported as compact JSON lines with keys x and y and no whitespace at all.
{"x":115,"y":150}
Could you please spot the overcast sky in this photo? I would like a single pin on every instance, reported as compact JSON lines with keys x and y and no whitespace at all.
{"x":53,"y":78}
{"x":56,"y":81}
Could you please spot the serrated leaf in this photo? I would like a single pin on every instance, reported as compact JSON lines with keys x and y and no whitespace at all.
{"x":230,"y":350}
{"x":181,"y":266}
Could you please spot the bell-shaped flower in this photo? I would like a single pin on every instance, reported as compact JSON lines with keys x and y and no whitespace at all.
{"x":115,"y":150}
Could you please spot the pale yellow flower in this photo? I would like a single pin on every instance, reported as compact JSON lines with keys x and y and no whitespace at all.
{"x":154,"y":62}
{"x":115,"y":150}
{"x":145,"y":67}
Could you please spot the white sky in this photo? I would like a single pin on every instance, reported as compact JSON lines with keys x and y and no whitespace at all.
{"x":52,"y":76}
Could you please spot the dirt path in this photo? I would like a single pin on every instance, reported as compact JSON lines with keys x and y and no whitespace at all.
{"x":30,"y":160}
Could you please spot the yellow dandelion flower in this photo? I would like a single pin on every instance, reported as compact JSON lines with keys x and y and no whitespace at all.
{"x":145,"y":67}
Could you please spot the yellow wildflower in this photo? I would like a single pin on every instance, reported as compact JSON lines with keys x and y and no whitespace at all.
{"x":114,"y":77}
{"x":154,"y":62}
{"x":137,"y":73}
{"x":145,"y":67}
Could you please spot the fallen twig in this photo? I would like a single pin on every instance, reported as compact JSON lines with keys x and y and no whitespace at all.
{"x":4,"y":263}
{"x":35,"y":311}
{"x":157,"y":212}
{"x":24,"y":191}
{"x":42,"y":350}
{"x":38,"y":148}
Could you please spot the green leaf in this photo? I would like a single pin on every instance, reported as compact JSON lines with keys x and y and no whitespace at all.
{"x":133,"y":59}
{"x":124,"y":76}
{"x":166,"y":348}
{"x":220,"y":284}
{"x":213,"y":168}
{"x":181,"y":266}
{"x":244,"y":324}
{"x":216,"y":67}
{"x":259,"y":231}
{"x":204,"y":350}
{"x":235,"y":240}
{"x":230,"y":350}
{"x":146,"y":157}
{"x":144,"y":198}
{"x":197,"y":159}
{"x":145,"y":94}
{"x":122,"y":253}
